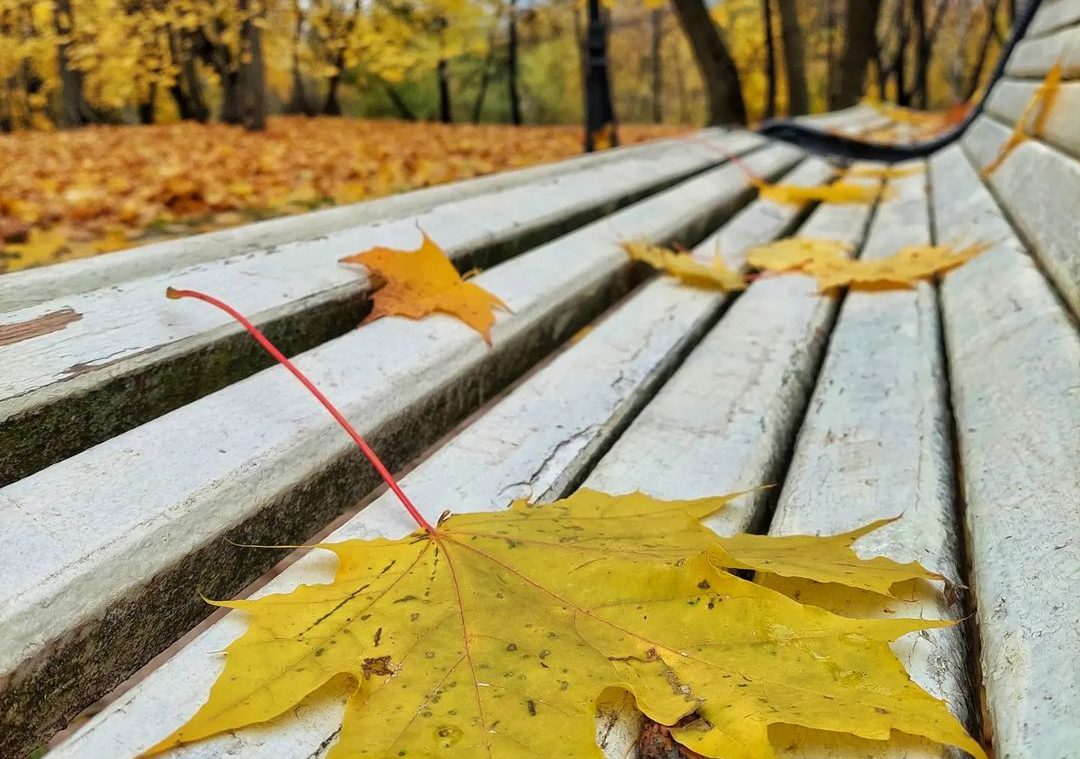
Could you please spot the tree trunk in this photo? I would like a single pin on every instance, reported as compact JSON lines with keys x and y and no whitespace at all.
{"x":446,"y":115}
{"x":984,"y":48}
{"x":512,"y":65}
{"x":830,"y":46}
{"x":861,"y":44}
{"x":656,"y":19}
{"x":770,"y":59}
{"x":395,"y":99}
{"x":718,"y":72}
{"x":599,"y":112}
{"x":899,"y":66}
{"x":920,"y":96}
{"x":298,"y":100}
{"x":185,"y":89}
{"x":73,"y":108}
{"x":253,"y":76}
{"x":331,"y":106}
{"x":146,"y":108}
{"x":794,"y":59}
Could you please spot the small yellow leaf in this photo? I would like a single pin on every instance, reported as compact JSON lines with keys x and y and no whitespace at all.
{"x":822,"y":559}
{"x":714,"y":275}
{"x":1035,"y":113}
{"x":837,"y":192}
{"x":423,"y":282}
{"x":796,"y":252}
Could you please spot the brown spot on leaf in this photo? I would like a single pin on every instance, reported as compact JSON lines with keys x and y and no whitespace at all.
{"x":378,"y":666}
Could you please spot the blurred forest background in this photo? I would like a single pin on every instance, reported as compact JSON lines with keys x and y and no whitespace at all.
{"x":74,"y":62}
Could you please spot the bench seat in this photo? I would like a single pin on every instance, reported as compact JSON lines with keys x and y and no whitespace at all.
{"x":954,"y":403}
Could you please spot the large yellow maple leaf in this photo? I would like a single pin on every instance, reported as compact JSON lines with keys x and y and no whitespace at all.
{"x":495,"y":634}
{"x":424,"y":281}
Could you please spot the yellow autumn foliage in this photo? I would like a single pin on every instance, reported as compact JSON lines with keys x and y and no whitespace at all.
{"x":103,"y":188}
{"x":495,"y":634}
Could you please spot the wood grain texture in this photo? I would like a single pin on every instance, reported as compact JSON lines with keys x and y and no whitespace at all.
{"x":876,"y":443}
{"x":125,"y":533}
{"x":538,"y":443}
{"x":726,"y":419}
{"x":27,"y":288}
{"x":1051,"y":16}
{"x":1014,"y":360}
{"x":1039,"y":189}
{"x":1062,"y":128}
{"x":128,"y":360}
{"x":1033,"y":57}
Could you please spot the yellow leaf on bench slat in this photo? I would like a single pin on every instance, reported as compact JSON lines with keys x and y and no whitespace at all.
{"x":828,"y":261}
{"x":900,"y":270}
{"x":1035,"y":113}
{"x":837,"y":192}
{"x":795,"y":253}
{"x":495,"y":634}
{"x":822,"y":559}
{"x":423,"y":282}
{"x":714,"y":275}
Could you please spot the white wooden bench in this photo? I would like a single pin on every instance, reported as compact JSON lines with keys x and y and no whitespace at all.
{"x":142,"y":440}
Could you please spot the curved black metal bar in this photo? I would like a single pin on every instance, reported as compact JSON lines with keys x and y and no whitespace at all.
{"x":818,"y":141}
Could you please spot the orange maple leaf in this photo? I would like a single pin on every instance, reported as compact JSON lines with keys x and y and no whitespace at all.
{"x":424,"y":281}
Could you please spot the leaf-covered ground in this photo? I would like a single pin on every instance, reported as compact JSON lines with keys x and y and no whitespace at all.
{"x":74,"y":194}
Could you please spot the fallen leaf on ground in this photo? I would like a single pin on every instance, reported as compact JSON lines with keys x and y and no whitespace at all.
{"x":900,"y":270}
{"x":114,"y":239}
{"x":796,"y":252}
{"x":495,"y":634}
{"x":1035,"y":114}
{"x":41,"y":247}
{"x":837,"y":192}
{"x":424,"y":281}
{"x":822,"y":559}
{"x":714,"y":275}
{"x":164,"y":180}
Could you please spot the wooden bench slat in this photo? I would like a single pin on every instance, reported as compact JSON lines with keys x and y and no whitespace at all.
{"x":1039,"y":188}
{"x":120,"y":360}
{"x":875,"y":444}
{"x":1034,"y":57}
{"x":1010,"y":96}
{"x":27,"y":288}
{"x":526,"y":445}
{"x":1014,"y":360}
{"x":125,"y":533}
{"x":850,"y":121}
{"x":727,"y":418}
{"x":1051,"y":16}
